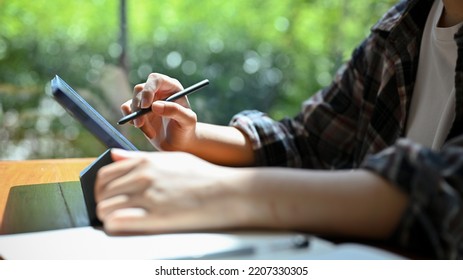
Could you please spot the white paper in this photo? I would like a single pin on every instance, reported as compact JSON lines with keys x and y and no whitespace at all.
{"x":86,"y":243}
{"x":90,"y":243}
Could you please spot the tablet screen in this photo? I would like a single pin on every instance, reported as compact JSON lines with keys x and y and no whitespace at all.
{"x":88,"y":116}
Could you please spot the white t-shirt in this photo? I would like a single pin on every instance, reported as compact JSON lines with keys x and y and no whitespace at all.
{"x":432,"y":108}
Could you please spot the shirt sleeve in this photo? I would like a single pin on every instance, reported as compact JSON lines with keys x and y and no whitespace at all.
{"x":272,"y":142}
{"x":322,"y":136}
{"x":433,"y":180}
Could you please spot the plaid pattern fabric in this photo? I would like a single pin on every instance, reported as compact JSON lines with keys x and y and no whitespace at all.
{"x":359,"y":122}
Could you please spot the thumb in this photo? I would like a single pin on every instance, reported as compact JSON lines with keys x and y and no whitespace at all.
{"x":183,"y":115}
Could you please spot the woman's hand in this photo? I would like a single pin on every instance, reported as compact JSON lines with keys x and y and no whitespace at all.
{"x":171,"y":125}
{"x":172,"y":192}
{"x":165,"y":192}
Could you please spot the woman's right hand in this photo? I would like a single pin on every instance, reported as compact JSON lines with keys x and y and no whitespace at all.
{"x":171,"y":125}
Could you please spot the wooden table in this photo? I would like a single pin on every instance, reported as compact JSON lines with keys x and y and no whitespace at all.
{"x":28,"y":172}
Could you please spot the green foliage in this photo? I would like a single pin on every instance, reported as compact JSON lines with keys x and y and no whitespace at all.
{"x":267,"y":55}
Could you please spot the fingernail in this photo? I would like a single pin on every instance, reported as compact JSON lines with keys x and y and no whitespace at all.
{"x":145,"y":103}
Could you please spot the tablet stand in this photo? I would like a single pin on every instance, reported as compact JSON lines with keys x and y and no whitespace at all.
{"x":87,"y":181}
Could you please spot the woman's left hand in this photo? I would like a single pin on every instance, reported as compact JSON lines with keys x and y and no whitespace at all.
{"x":165,"y":192}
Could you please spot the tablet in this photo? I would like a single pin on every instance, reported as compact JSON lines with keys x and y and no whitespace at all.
{"x":87,"y":116}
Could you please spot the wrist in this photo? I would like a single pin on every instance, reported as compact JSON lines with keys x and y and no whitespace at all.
{"x":222,"y":145}
{"x":192,"y":141}
{"x":257,"y":206}
{"x":230,"y":191}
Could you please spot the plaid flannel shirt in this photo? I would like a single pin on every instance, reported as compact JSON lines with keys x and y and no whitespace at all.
{"x":359,"y":122}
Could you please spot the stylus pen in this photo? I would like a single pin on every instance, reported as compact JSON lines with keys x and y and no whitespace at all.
{"x":173,"y":97}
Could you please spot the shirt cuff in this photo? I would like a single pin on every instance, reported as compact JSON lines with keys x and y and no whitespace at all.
{"x":270,"y":140}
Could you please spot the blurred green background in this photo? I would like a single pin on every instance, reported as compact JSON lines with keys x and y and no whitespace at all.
{"x":268,"y":55}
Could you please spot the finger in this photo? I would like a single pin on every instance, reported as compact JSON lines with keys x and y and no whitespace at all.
{"x":126,"y":107}
{"x":131,"y":183}
{"x":184,"y":116}
{"x":121,"y":154}
{"x":114,"y":170}
{"x":160,"y":86}
{"x":137,"y":95}
{"x":129,"y":221}
{"x":110,"y":172}
{"x":108,"y":206}
{"x":104,"y":207}
{"x":135,"y":105}
{"x":125,"y":220}
{"x":118,"y":221}
{"x":149,"y":131}
{"x":157,"y":86}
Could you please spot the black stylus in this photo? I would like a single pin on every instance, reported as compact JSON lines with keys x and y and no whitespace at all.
{"x":173,"y":97}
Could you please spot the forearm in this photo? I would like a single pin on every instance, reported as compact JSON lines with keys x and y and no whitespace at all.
{"x":223,"y":145}
{"x":347,"y":203}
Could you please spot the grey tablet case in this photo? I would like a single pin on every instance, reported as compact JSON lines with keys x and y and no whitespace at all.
{"x":41,"y":207}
